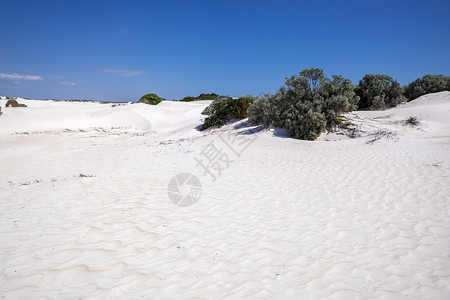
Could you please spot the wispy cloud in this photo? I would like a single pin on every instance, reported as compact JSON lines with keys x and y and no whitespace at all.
{"x":69,"y":83}
{"x":124,"y":73}
{"x":16,"y":76}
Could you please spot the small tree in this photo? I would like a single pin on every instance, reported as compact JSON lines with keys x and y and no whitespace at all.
{"x":339,"y":96}
{"x":315,"y":77}
{"x":306,"y":105}
{"x":427,"y":84}
{"x":151,"y":99}
{"x":379,"y":92}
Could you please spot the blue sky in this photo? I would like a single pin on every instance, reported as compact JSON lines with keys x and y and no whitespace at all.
{"x":121,"y":50}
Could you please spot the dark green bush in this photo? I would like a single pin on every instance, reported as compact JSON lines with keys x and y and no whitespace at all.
{"x":305,"y":126}
{"x":14,"y":103}
{"x":218,"y":115}
{"x":188,"y":99}
{"x":224,"y":109}
{"x":237,"y":108}
{"x":427,"y":84}
{"x":211,"y":96}
{"x":307,"y":105}
{"x":210,"y":108}
{"x":151,"y":99}
{"x":379,"y":92}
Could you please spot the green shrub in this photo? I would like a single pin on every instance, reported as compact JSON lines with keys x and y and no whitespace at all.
{"x":237,"y":108}
{"x":14,"y":103}
{"x":305,"y":126}
{"x":224,"y":109}
{"x":427,"y":84}
{"x":188,"y":99}
{"x":338,"y":96}
{"x":211,"y":96}
{"x":151,"y":99}
{"x":210,"y":108}
{"x":379,"y":92}
{"x":307,"y":105}
{"x":218,"y":115}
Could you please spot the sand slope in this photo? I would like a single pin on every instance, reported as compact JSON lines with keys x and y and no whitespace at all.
{"x":56,"y":115}
{"x":343,"y":219}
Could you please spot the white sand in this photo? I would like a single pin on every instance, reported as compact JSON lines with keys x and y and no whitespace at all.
{"x":340,"y":219}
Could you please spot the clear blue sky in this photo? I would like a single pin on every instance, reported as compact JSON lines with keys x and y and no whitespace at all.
{"x":121,"y":50}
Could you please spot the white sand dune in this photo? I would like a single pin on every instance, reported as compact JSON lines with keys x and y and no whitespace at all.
{"x":358,"y":218}
{"x":167,"y":117}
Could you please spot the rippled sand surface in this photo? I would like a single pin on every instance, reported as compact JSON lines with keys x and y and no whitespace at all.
{"x":85,"y":212}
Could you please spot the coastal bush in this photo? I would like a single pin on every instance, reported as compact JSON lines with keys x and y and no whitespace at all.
{"x":188,"y":99}
{"x":338,"y":97}
{"x":307,"y":104}
{"x":211,"y":96}
{"x":379,"y":92}
{"x":217,"y":114}
{"x":151,"y":99}
{"x":14,"y":103}
{"x":427,"y":84}
{"x":237,"y":108}
{"x":264,"y":109}
{"x":224,"y":109}
{"x":210,"y":108}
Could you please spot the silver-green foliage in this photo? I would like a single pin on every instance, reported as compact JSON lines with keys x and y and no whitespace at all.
{"x":306,"y":105}
{"x":210,"y":108}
